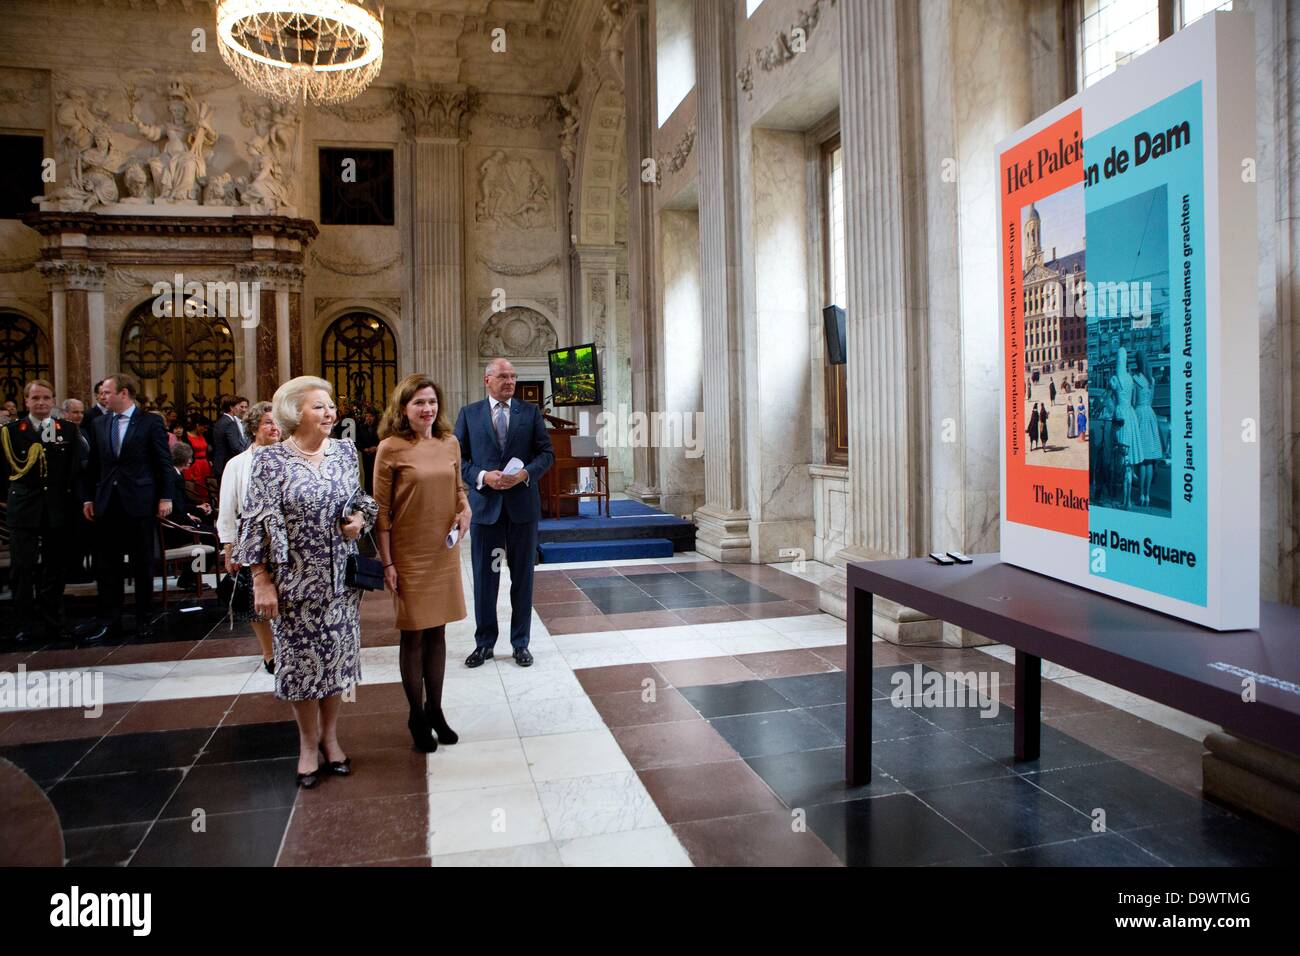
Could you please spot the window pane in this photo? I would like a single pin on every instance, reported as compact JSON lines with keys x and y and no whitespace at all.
{"x":1193,"y":10}
{"x":1112,"y":32}
{"x":835,"y":223}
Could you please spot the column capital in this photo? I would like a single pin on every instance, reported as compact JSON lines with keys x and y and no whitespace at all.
{"x":64,"y":274}
{"x":433,"y":112}
{"x":273,"y":276}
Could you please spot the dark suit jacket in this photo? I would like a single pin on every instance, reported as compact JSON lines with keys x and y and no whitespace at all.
{"x":526,"y":439}
{"x":35,"y":496}
{"x":139,"y":475}
{"x":92,"y":413}
{"x":227,"y":442}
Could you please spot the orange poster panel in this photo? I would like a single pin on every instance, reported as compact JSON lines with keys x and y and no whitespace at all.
{"x":1046,"y":485}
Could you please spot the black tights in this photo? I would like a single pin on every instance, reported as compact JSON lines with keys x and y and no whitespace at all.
{"x":423,"y":660}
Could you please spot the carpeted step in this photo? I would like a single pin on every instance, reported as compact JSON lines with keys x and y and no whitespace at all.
{"x":555,"y":552}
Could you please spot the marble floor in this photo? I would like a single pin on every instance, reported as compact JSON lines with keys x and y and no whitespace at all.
{"x":680,"y":712}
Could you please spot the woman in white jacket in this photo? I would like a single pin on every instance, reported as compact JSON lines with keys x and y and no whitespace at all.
{"x":260,"y":423}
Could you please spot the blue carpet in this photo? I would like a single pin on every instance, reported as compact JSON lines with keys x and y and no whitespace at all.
{"x":554,"y":552}
{"x":623,"y":512}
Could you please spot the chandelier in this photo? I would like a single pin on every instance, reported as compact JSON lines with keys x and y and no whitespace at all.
{"x":325,"y":51}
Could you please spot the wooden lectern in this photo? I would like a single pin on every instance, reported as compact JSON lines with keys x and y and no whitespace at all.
{"x":559,"y":485}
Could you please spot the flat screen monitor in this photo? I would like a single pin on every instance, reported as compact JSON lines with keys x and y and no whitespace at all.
{"x":575,"y":375}
{"x":833,"y":317}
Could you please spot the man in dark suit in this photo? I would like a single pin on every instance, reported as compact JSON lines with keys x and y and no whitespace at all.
{"x":126,"y":488}
{"x":100,"y":406}
{"x":506,"y":507}
{"x":40,"y":466}
{"x":228,"y":438}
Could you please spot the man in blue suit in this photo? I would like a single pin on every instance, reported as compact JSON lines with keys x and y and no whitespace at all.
{"x":127,"y":487}
{"x":506,"y":507}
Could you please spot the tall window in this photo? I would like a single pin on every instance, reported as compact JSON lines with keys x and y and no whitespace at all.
{"x":1113,"y":32}
{"x":674,"y":54}
{"x":24,"y":355}
{"x":184,"y":362}
{"x":835,"y":293}
{"x":358,"y":356}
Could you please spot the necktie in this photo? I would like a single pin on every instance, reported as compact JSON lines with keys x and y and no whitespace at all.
{"x":501,"y":426}
{"x":114,"y":439}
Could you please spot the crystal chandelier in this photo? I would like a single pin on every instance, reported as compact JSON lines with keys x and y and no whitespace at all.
{"x":325,"y":51}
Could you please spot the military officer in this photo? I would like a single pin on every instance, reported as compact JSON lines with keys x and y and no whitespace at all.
{"x":40,"y":466}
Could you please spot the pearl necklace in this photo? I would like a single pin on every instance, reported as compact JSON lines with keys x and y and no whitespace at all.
{"x":306,"y":454}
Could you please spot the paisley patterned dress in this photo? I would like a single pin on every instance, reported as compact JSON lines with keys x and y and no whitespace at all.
{"x":289,"y":522}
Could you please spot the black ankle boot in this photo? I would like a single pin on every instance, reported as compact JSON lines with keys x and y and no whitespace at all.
{"x":418,"y":725}
{"x":439,"y":725}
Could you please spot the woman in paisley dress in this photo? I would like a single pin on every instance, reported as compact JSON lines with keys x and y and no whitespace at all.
{"x":1126,"y":432}
{"x":294,"y":535}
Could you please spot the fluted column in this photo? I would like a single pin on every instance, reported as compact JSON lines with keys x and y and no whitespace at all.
{"x":434,"y":122}
{"x":722,"y":524}
{"x":884,"y":206}
{"x":638,"y":47}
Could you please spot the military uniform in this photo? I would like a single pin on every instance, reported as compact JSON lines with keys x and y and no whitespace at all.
{"x":40,"y":467}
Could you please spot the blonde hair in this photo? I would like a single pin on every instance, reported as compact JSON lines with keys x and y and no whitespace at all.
{"x":286,"y":403}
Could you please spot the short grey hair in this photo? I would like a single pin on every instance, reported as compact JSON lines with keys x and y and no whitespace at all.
{"x":253,"y":417}
{"x":487,"y":369}
{"x":286,"y":403}
{"x":182,"y":455}
{"x":67,"y":402}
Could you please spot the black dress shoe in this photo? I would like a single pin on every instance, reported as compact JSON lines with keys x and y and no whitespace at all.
{"x":96,"y":634}
{"x":523,"y":658}
{"x":478,"y":656}
{"x":439,"y":725}
{"x":269,"y":665}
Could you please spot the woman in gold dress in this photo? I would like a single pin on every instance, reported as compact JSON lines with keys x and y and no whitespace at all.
{"x":417,"y":485}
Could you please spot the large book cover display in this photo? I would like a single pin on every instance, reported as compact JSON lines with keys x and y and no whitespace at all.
{"x":1130,"y":334}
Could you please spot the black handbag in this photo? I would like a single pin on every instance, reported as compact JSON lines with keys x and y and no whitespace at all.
{"x":364,"y":573}
{"x":359,"y":571}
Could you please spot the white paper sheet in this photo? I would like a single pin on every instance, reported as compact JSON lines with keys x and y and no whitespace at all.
{"x":513,"y":467}
{"x":453,"y":536}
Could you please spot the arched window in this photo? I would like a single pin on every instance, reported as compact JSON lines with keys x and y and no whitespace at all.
{"x":184,"y":362}
{"x":358,"y":356}
{"x":24,"y":355}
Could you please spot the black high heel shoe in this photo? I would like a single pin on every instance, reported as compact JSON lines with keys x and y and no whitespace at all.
{"x":308,"y":780}
{"x":337,"y":768}
{"x":418,"y":724}
{"x":438,"y":723}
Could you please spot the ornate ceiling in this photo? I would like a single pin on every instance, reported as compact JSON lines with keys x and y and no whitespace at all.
{"x":441,"y":41}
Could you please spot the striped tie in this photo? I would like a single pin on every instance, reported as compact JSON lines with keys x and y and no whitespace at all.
{"x":500,"y":425}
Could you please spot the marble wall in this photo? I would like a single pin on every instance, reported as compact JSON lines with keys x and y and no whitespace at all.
{"x":681,"y":470}
{"x":674,"y":54}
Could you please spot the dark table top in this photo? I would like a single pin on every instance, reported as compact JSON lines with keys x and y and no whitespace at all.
{"x":1192,"y":668}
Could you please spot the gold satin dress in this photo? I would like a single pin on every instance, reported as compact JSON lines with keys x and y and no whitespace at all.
{"x":418,"y":488}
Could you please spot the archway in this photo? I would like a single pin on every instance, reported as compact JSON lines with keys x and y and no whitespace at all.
{"x":24,"y":355}
{"x":358,"y":357}
{"x":184,"y":362}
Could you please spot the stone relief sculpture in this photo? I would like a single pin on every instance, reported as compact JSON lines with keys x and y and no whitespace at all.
{"x":186,"y":138}
{"x":569,"y":115}
{"x":137,"y":185}
{"x":93,"y":174}
{"x":516,"y":331}
{"x":273,"y":152}
{"x":612,"y":13}
{"x":220,"y":191}
{"x":512,"y":193}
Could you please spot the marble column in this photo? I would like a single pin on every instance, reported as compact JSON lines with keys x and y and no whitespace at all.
{"x":722,"y":523}
{"x":434,"y":124}
{"x":595,"y":321}
{"x":638,"y":50}
{"x":76,"y":291}
{"x":881,"y":131}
